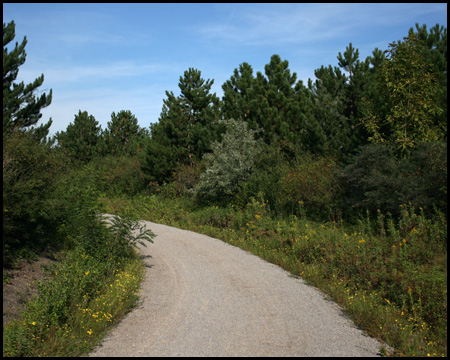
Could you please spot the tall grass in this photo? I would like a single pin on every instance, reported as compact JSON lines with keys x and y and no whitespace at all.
{"x":390,"y":275}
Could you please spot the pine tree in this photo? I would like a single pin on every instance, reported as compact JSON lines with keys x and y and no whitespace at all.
{"x":339,"y":94}
{"x":272,"y":103}
{"x":123,"y":135}
{"x":310,"y":135}
{"x":81,"y":137}
{"x":276,"y":103}
{"x":187,"y":126}
{"x":21,"y":107}
{"x":328,"y":105}
{"x":237,"y":93}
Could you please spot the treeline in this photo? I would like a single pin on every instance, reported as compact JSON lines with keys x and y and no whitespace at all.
{"x":365,"y":135}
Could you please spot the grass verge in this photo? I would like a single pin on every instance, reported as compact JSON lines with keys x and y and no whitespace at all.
{"x":86,"y":293}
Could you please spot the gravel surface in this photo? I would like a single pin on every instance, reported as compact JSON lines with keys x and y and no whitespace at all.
{"x":203,"y":297}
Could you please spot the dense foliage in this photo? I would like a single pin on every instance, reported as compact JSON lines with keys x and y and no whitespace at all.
{"x":362,"y":147}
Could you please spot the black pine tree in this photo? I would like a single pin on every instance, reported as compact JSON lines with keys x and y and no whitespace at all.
{"x":21,"y":106}
{"x":187,"y":126}
{"x":81,"y":137}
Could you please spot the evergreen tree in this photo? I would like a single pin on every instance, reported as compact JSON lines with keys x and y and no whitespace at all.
{"x":272,"y":104}
{"x":276,"y":103}
{"x":310,"y":135}
{"x":328,"y":106}
{"x":238,"y":92}
{"x":339,"y":100}
{"x":21,"y":107}
{"x":187,"y":126}
{"x":123,"y":135}
{"x":81,"y":137}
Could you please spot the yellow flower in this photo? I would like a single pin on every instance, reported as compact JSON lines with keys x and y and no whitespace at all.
{"x":89,"y":332}
{"x":33,"y":323}
{"x":86,"y":273}
{"x":361,"y":241}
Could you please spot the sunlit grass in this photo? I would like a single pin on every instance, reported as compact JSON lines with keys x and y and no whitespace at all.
{"x":90,"y":317}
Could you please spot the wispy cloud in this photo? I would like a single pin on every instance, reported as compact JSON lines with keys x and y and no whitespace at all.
{"x":80,"y":73}
{"x":279,"y":23}
{"x":307,"y":23}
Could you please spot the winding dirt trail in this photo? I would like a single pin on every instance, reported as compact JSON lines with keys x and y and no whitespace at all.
{"x":203,"y":297}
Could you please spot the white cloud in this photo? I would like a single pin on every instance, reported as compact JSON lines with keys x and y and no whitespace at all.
{"x":265,"y":24}
{"x":77,"y":73}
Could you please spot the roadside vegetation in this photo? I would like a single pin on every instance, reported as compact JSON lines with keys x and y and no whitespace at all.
{"x":342,"y":181}
{"x":389,"y":275}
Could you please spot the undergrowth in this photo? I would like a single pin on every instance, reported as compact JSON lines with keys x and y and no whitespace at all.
{"x":86,"y":293}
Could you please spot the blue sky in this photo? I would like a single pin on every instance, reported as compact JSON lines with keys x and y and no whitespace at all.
{"x":110,"y":57}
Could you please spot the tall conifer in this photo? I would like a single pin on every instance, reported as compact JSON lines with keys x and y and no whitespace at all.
{"x":187,"y":126}
{"x":21,"y":107}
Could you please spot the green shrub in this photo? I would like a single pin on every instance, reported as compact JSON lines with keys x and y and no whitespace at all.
{"x":309,"y":187}
{"x":376,"y":179}
{"x":31,"y":212}
{"x":118,"y":175}
{"x":264,"y":182}
{"x":231,"y":162}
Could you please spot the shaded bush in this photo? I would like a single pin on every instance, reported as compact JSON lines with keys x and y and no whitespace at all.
{"x":376,"y":179}
{"x":309,"y":188}
{"x":118,"y":175}
{"x":264,"y":182}
{"x":31,"y":212}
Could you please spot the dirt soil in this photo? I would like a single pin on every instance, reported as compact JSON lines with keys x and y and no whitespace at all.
{"x":20,"y":285}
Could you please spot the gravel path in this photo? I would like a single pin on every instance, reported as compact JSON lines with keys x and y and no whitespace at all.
{"x":203,"y":297}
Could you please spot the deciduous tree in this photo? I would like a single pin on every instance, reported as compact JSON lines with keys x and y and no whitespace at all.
{"x":230,"y":163}
{"x":414,"y":114}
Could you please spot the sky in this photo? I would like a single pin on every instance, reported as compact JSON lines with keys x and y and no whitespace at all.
{"x":104,"y":58}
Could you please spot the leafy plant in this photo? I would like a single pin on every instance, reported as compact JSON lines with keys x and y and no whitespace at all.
{"x":232,"y":161}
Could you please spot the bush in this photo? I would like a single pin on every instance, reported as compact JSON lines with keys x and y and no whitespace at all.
{"x":309,"y":188}
{"x":231,"y":162}
{"x":376,"y":179}
{"x":31,"y":212}
{"x":425,"y":176}
{"x":118,"y":175}
{"x":264,"y":182}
